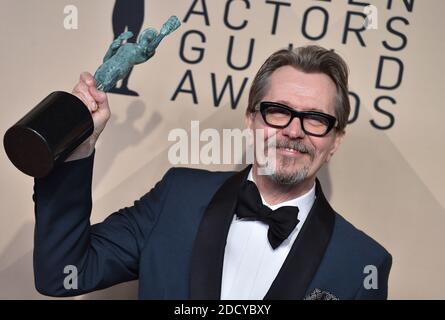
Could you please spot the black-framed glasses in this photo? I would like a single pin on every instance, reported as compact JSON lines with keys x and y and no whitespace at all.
{"x":279,"y":116}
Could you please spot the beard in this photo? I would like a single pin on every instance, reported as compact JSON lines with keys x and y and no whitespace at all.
{"x":284,"y":177}
{"x":286,"y":167}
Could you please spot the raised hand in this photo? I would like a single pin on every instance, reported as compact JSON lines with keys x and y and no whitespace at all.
{"x":97,"y":103}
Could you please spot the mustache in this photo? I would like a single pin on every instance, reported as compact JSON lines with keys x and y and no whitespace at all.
{"x":292,"y":144}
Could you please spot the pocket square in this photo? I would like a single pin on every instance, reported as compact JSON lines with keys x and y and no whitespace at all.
{"x":318,"y":294}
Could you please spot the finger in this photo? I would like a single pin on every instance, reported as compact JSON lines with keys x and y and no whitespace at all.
{"x":99,"y":96}
{"x":89,"y":100}
{"x":89,"y":103}
{"x":83,"y":98}
{"x":103,"y":112}
{"x":88,"y":79}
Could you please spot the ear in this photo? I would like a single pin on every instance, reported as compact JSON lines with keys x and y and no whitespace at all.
{"x":248,"y":120}
{"x":337,"y":140}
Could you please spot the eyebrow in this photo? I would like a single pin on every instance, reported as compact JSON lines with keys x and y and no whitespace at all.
{"x":286,"y":103}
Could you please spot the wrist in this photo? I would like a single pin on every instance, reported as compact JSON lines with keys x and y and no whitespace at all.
{"x":85,"y":150}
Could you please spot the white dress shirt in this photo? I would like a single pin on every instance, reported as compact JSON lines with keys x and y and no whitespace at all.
{"x":250,"y":264}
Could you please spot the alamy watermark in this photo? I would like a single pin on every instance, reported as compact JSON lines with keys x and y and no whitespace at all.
{"x":70,"y":282}
{"x":233,"y":146}
{"x":371,"y":20}
{"x":71,"y":19}
{"x":371,"y":281}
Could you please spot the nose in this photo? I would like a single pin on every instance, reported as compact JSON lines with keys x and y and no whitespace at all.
{"x":294,"y":130}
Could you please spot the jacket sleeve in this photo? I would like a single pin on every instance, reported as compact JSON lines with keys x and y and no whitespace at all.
{"x":381,"y":291}
{"x":72,"y":257}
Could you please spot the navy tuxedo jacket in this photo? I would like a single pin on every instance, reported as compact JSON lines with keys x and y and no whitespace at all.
{"x":173,"y":240}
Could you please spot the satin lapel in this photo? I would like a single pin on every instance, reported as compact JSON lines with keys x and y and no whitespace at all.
{"x":306,"y":253}
{"x":208,"y":252}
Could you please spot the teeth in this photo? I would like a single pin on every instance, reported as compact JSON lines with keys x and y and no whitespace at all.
{"x":293,"y":150}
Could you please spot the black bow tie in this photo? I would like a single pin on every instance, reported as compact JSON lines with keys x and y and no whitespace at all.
{"x":281,"y":221}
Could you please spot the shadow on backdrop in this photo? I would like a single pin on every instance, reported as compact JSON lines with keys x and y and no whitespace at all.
{"x":17,"y":278}
{"x":127,"y":16}
{"x":125,"y":134}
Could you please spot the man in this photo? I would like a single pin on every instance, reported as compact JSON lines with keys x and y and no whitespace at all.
{"x":222,"y":235}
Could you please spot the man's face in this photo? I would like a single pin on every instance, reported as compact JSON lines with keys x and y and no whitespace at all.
{"x":302,"y":92}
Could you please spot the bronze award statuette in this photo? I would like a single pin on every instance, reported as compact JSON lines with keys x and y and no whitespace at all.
{"x":54,"y":128}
